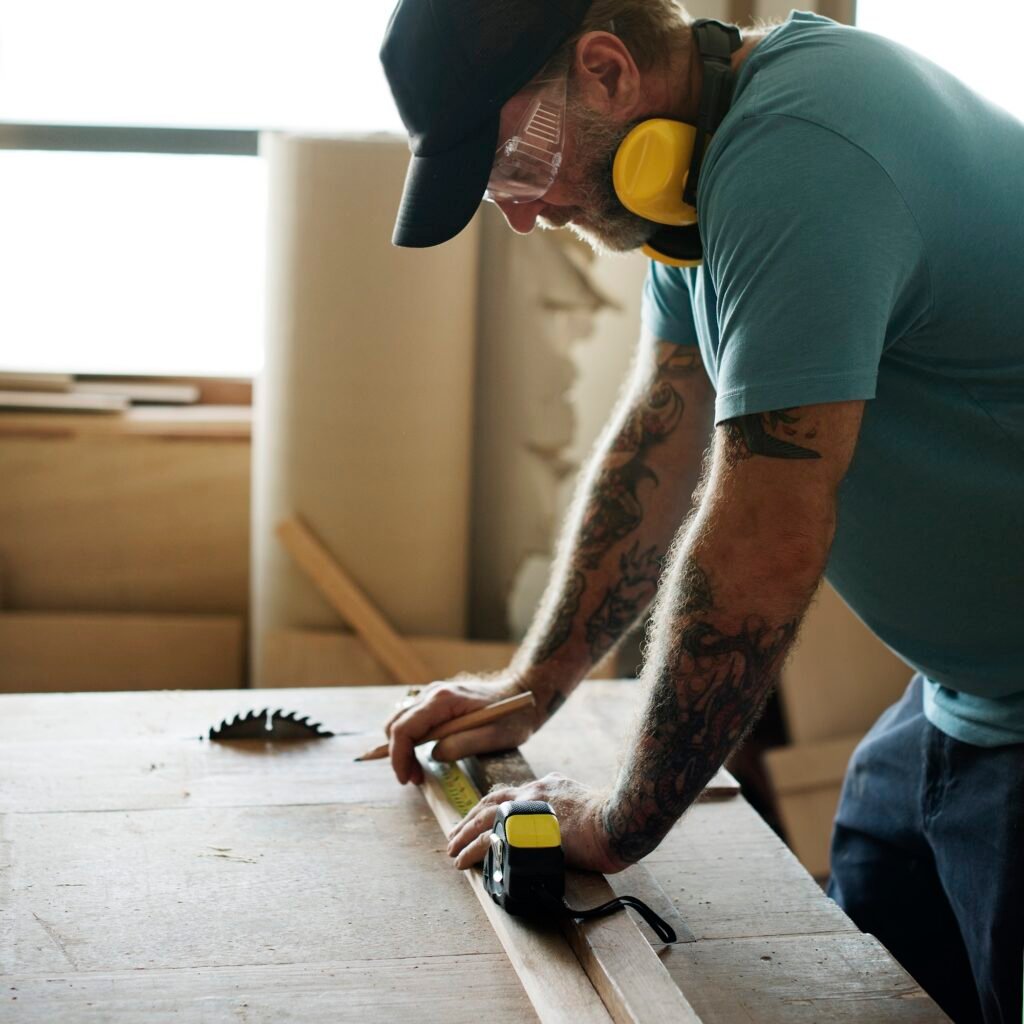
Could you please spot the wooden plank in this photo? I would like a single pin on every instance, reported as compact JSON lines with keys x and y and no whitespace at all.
{"x":57,"y":401}
{"x":769,"y":946}
{"x":14,"y":381}
{"x":170,"y":774}
{"x":638,"y":881}
{"x":212,"y":390}
{"x":78,"y":651}
{"x":548,"y":970}
{"x":619,"y":961}
{"x":111,"y":522}
{"x":352,"y":604}
{"x":847,"y":978}
{"x":607,"y":712}
{"x":229,"y":423}
{"x":731,"y":877}
{"x":140,"y":392}
{"x":425,"y":987}
{"x":227,"y":886}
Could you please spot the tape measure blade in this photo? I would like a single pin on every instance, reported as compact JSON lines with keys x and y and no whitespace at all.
{"x":455,"y":783}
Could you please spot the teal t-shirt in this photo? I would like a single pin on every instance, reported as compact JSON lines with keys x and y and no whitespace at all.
{"x":863,"y":219}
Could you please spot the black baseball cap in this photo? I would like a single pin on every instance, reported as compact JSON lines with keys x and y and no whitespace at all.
{"x":452,"y":65}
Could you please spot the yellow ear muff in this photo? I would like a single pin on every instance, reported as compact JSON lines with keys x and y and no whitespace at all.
{"x":650,"y":171}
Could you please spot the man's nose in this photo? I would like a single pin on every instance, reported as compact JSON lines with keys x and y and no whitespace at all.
{"x":521,"y":217}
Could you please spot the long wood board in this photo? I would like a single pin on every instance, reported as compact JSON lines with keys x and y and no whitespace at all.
{"x":619,"y":961}
{"x":546,"y":966}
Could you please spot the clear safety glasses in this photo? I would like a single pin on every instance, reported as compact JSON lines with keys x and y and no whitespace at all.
{"x":526,"y":164}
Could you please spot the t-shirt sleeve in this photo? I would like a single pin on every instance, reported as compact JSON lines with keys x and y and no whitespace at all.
{"x":817,"y":264}
{"x":666,"y":310}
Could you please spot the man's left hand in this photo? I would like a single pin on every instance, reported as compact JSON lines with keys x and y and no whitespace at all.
{"x":585,"y":840}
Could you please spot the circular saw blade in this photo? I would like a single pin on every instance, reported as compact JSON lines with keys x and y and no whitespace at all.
{"x":271,"y":727}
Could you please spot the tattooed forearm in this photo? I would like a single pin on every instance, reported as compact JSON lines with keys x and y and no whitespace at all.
{"x":710,"y":687}
{"x":635,"y":493}
{"x":623,"y":602}
{"x":766,"y":433}
{"x":615,"y":510}
{"x":556,"y":701}
{"x":561,"y":627}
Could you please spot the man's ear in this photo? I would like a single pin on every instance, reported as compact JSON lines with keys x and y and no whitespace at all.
{"x":606,"y":75}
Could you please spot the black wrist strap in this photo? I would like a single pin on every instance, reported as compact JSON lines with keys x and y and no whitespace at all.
{"x":662,"y":929}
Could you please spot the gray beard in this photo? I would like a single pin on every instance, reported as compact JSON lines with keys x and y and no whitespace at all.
{"x":611,"y":228}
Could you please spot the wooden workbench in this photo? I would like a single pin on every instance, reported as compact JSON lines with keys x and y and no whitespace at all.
{"x":146,"y":875}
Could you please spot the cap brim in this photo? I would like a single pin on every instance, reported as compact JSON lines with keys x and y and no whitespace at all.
{"x":443,"y":191}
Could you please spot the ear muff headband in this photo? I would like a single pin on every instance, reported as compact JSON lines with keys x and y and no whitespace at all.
{"x":657,"y":166}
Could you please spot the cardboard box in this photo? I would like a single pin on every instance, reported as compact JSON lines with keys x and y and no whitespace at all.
{"x":807,"y":779}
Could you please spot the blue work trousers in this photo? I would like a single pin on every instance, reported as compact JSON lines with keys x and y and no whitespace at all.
{"x":928,"y":856}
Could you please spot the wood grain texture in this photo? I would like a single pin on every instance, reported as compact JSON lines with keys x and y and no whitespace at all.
{"x":113,"y":522}
{"x":548,"y":971}
{"x":638,"y":881}
{"x":344,"y":595}
{"x":425,"y":987}
{"x":54,"y":651}
{"x":616,"y":956}
{"x":840,"y":979}
{"x":730,"y":877}
{"x":158,"y":862}
{"x":218,"y":887}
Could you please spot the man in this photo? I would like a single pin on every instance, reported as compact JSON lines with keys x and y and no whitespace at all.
{"x":856,"y":336}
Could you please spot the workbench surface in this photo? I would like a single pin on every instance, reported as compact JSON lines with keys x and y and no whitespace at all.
{"x":148,"y":875}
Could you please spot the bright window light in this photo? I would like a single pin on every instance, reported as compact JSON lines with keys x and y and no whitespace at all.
{"x":131,"y":263}
{"x":308,"y":65}
{"x":935,"y":29}
{"x":153,"y":264}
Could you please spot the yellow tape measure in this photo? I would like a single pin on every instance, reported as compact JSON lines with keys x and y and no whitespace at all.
{"x":461,"y":793}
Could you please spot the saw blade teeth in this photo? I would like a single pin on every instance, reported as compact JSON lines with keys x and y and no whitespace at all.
{"x":269,"y":724}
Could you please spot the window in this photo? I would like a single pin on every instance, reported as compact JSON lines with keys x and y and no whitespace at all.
{"x":120,"y":261}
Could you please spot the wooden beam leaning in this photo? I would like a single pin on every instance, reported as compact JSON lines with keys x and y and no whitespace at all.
{"x":547,"y":967}
{"x":393,"y":652}
{"x":622,"y":966}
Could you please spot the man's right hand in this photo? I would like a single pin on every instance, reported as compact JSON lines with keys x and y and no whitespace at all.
{"x":439,"y":703}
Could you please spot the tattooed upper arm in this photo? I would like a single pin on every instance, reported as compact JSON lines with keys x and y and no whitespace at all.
{"x":822,"y":433}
